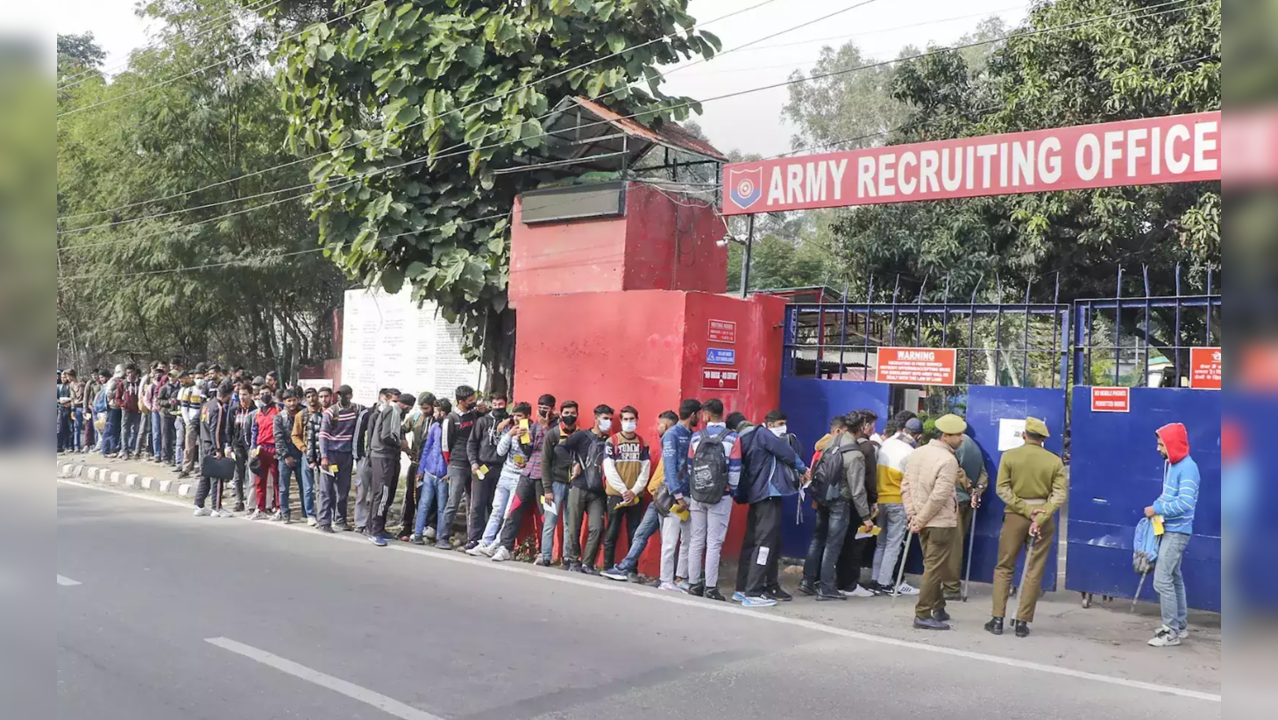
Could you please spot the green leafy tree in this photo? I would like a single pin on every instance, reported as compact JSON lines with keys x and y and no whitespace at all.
{"x":172,"y":153}
{"x":416,"y":106}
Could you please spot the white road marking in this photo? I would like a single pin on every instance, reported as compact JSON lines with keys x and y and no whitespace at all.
{"x":766,"y":616}
{"x":387,"y":705}
{"x":67,"y":582}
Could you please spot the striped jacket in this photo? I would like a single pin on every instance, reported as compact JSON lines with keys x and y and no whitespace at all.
{"x":1179,"y":498}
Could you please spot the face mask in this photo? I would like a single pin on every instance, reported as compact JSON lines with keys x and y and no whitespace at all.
{"x":779,"y":430}
{"x":499,"y":414}
{"x":543,"y":413}
{"x":628,"y":426}
{"x":568,"y":420}
{"x":604,"y":424}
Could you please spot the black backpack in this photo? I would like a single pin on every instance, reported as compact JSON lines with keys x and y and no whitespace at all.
{"x":708,"y":470}
{"x":592,"y":469}
{"x":827,"y":476}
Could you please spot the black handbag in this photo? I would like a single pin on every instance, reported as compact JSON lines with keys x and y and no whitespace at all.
{"x":217,"y":468}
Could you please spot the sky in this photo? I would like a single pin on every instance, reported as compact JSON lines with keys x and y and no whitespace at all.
{"x":749,"y":123}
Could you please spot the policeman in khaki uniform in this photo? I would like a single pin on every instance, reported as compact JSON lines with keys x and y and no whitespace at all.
{"x":1031,"y":481}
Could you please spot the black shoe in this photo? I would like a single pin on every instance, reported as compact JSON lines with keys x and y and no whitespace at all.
{"x":239,"y":507}
{"x":634,"y":577}
{"x":824,"y":595}
{"x":807,"y":588}
{"x":359,"y":530}
{"x":417,"y":540}
{"x":699,"y":590}
{"x":586,"y":570}
{"x":571,"y":567}
{"x":994,"y":626}
{"x":1022,"y":628}
{"x":878,"y":589}
{"x":941,"y":615}
{"x":714,"y":594}
{"x":779,"y":595}
{"x":344,"y":527}
{"x":325,"y":529}
{"x":929,"y":624}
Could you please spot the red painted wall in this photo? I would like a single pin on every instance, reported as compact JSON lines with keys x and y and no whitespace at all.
{"x":658,"y":244}
{"x":647,"y":349}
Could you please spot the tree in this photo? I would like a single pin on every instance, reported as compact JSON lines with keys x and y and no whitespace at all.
{"x":1150,"y":63}
{"x":150,"y":263}
{"x":416,"y":106}
{"x":77,"y":53}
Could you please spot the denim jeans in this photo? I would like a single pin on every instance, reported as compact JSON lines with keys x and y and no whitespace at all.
{"x":303,"y":482}
{"x":1169,"y":582}
{"x":827,"y":542}
{"x":111,"y":434}
{"x":179,"y":439}
{"x":77,"y":424}
{"x":433,"y":489}
{"x":132,"y":424}
{"x":551,"y":522}
{"x":308,"y":487}
{"x":504,"y":493}
{"x":66,"y":428}
{"x":157,"y":434}
{"x":887,"y":548}
{"x":649,"y":526}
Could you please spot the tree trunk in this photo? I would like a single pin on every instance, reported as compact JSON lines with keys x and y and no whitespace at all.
{"x":498,"y":356}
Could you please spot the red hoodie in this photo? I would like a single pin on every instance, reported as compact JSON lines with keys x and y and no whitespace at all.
{"x":1176,"y":439}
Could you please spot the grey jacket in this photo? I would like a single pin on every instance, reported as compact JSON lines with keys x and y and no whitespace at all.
{"x":853,"y":487}
{"x":385,"y":438}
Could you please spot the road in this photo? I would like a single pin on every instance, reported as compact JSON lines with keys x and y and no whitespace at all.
{"x":165,"y":616}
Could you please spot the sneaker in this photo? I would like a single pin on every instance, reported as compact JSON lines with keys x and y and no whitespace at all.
{"x":181,"y":475}
{"x":443,"y":545}
{"x":202,"y":512}
{"x":586,"y":570}
{"x":823,"y":595}
{"x":738,"y":597}
{"x":325,"y":529}
{"x":758,"y":602}
{"x":807,"y":588}
{"x":312,"y":521}
{"x":879,"y":589}
{"x":570,"y":567}
{"x":239,"y":507}
{"x":541,"y":562}
{"x":287,"y":520}
{"x":343,"y":527}
{"x":277,"y":516}
{"x":906,"y":589}
{"x":224,"y":513}
{"x":714,"y":594}
{"x":430,"y":534}
{"x":683,"y":585}
{"x":1166,"y":637}
{"x":488,"y":550}
{"x":377,"y":540}
{"x":670,"y":587}
{"x":471,"y":545}
{"x":502,"y":554}
{"x":860,"y":592}
{"x":634,"y":577}
{"x":929,"y":624}
{"x":698,"y":590}
{"x":477,"y":551}
{"x":777,"y":593}
{"x":616,"y":573}
{"x":417,"y":540}
{"x":256,"y":515}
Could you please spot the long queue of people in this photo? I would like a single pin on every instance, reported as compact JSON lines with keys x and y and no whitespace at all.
{"x":506,"y":461}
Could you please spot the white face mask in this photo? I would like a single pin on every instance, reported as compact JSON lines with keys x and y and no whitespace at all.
{"x":628,"y":426}
{"x":604,"y":424}
{"x":779,"y":430}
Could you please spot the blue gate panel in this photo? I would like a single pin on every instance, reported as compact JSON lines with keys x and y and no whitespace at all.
{"x":1117,"y":472}
{"x":809,"y":403}
{"x":987,"y":405}
{"x":1245,"y":481}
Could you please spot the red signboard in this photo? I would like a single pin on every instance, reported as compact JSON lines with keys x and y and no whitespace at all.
{"x":1111,"y":399}
{"x":720,"y":379}
{"x":1204,"y":368}
{"x":722,"y":331}
{"x":1149,"y":151}
{"x":916,"y":366}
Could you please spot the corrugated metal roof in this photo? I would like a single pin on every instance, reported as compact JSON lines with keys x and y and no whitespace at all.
{"x":670,"y":134}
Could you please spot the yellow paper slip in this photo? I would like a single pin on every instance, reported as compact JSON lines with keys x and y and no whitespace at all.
{"x":1158,"y":525}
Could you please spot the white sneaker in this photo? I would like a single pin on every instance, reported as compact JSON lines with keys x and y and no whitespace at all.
{"x":224,"y":513}
{"x":278,"y":516}
{"x":860,"y":592}
{"x":255,"y":514}
{"x":202,"y":512}
{"x":312,"y":521}
{"x":1166,"y":637}
{"x":683,"y":586}
{"x":429,"y":536}
{"x":670,"y":587}
{"x":502,"y":554}
{"x":488,"y":550}
{"x":905,"y":589}
{"x":478,"y":551}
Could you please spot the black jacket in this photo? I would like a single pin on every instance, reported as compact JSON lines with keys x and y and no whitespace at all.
{"x":481,"y":448}
{"x":213,"y":427}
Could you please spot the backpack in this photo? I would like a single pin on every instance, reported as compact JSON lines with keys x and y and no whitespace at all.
{"x":827,"y":474}
{"x":1144,"y":547}
{"x":592,"y":473}
{"x":708,"y":469}
{"x":100,"y":402}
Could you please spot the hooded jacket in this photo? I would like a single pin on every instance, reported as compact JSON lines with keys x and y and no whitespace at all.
{"x":1179,"y":498}
{"x":770,"y":467}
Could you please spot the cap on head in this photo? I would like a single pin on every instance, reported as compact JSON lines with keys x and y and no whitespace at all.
{"x":1036,"y":426}
{"x":345,"y":390}
{"x":914,"y":426}
{"x":407,"y":399}
{"x":951,"y":424}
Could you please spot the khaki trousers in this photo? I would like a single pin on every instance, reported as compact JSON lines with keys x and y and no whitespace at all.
{"x":958,"y":544}
{"x":936,"y":543}
{"x":1014,"y":536}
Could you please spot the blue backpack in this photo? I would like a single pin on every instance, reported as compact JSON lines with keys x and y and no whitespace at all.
{"x":100,"y":402}
{"x":1144,"y":547}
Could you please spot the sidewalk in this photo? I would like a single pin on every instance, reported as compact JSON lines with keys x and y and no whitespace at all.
{"x":1104,"y":639}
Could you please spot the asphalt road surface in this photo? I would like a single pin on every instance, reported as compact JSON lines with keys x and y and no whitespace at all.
{"x":164,"y":616}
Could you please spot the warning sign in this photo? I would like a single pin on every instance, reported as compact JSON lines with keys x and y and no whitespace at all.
{"x":722,"y":331}
{"x":916,"y":366}
{"x":720,"y":379}
{"x":1204,"y":368}
{"x":1111,"y":399}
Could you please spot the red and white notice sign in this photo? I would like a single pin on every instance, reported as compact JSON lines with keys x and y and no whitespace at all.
{"x":1147,"y":151}
{"x":720,"y":379}
{"x":1204,"y":368}
{"x":916,"y":366}
{"x":1111,"y":399}
{"x":722,"y":331}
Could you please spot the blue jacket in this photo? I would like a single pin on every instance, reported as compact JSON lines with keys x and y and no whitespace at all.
{"x":432,"y":460}
{"x":771,"y":467}
{"x":674,"y":458}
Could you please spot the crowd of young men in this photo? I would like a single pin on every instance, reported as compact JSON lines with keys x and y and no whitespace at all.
{"x":507,"y":462}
